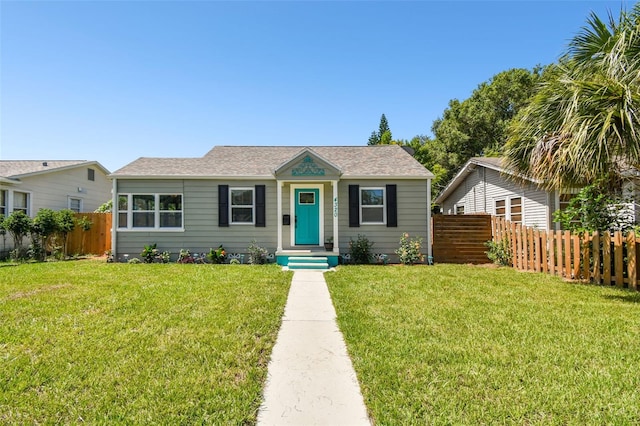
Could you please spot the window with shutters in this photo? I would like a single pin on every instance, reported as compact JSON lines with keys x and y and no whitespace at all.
{"x":242,"y":206}
{"x":372,"y":206}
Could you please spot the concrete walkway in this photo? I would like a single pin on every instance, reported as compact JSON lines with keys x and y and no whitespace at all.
{"x":311,"y":380}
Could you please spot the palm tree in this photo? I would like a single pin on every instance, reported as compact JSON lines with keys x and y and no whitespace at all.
{"x":584,"y":121}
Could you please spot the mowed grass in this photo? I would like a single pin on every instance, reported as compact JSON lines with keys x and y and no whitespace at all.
{"x":458,"y":344}
{"x":91,"y":342}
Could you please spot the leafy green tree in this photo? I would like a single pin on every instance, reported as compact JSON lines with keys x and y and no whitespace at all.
{"x":478,"y":125}
{"x":19,"y":225}
{"x":105,"y":207}
{"x":383,"y":135}
{"x":66,"y":221}
{"x":595,"y":208}
{"x":45,"y":224}
{"x":583,"y":124}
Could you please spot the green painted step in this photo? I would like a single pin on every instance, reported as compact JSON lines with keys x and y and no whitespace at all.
{"x":308,"y":262}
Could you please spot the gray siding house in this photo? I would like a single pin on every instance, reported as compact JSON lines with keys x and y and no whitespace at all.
{"x":289,"y":199}
{"x":484,"y":186}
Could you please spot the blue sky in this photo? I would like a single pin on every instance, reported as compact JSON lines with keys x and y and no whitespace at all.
{"x":116,"y":80}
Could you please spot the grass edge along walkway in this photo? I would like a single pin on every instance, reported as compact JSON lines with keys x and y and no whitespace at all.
{"x":460,"y":344}
{"x":139,"y":344}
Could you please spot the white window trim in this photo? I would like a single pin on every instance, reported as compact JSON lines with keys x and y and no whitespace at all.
{"x":10,"y":200}
{"x":384,"y":204}
{"x":156,"y":211}
{"x":455,"y":208}
{"x":69,"y":198}
{"x":253,"y":205}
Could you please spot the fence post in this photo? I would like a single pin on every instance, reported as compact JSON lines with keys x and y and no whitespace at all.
{"x":606,"y":257}
{"x":596,"y":257}
{"x":631,"y":260}
{"x":576,"y":257}
{"x":586,"y":274}
{"x":552,"y":251}
{"x":567,"y":254}
{"x":545,"y":254}
{"x":617,"y":251}
{"x":537,"y":251}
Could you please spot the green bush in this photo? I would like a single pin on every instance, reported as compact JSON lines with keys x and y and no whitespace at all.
{"x":360,"y":250}
{"x":499,"y":252}
{"x":410,"y":250}
{"x":257,"y":254}
{"x":218,"y":255}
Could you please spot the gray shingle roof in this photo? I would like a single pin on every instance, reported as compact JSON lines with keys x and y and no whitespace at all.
{"x":18,"y":168}
{"x":261,"y":161}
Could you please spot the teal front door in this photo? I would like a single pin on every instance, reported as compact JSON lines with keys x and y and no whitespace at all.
{"x":307,"y":217}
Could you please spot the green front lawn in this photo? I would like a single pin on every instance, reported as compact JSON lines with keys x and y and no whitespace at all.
{"x":90,"y":342}
{"x":457,"y":344}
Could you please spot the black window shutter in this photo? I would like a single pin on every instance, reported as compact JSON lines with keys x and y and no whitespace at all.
{"x":261,"y":220}
{"x":392,"y":206}
{"x":223,"y":205}
{"x":354,"y":206}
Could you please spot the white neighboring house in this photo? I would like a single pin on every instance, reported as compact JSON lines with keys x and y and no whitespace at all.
{"x":483,"y":185}
{"x":30,"y":185}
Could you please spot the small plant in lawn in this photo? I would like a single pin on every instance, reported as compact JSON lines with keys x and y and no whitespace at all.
{"x":409,"y":251}
{"x":134,"y":260}
{"x":234,"y":261}
{"x":257,"y":254}
{"x":499,"y":252}
{"x":360,"y":250}
{"x":150,"y":253}
{"x":218,"y":255}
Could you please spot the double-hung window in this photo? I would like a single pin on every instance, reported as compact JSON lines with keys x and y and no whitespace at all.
{"x":510,"y":208}
{"x":372,"y":206}
{"x":145,"y":211}
{"x":4,"y":200}
{"x":75,"y":204}
{"x":21,"y":202}
{"x":242,"y":205}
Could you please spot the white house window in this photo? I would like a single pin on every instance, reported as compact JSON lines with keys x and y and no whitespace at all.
{"x":510,"y":208}
{"x":459,"y":209}
{"x":144,"y":211}
{"x":75,"y":204}
{"x":21,"y":202}
{"x":91,"y":174}
{"x":242,"y":205}
{"x":372,"y":206}
{"x":515,"y":209}
{"x":501,"y":208}
{"x":4,"y":199}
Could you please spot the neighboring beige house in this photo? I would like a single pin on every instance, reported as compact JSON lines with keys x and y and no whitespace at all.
{"x":30,"y":185}
{"x":289,"y":199}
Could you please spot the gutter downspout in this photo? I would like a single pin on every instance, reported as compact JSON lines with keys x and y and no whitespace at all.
{"x":114,"y":218}
{"x":429,"y":236}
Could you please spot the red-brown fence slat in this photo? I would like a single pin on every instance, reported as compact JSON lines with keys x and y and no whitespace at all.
{"x":631,"y":261}
{"x":606,"y":258}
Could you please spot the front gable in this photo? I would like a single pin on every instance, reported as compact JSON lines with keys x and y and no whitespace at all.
{"x":307,"y":165}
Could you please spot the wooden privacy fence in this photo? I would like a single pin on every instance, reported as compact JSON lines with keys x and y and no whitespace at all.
{"x":96,"y":240}
{"x":461,"y":238}
{"x":609,"y":258}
